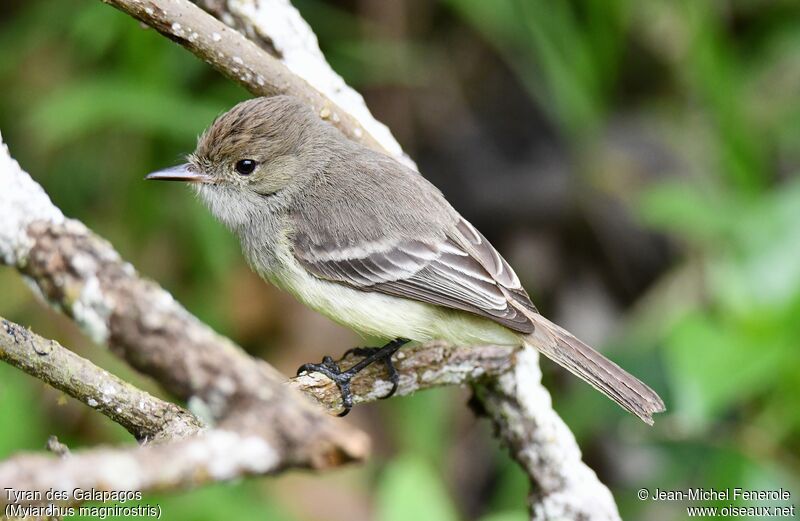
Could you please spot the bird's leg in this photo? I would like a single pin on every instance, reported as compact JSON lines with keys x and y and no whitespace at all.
{"x":375,"y":354}
{"x":343,"y":378}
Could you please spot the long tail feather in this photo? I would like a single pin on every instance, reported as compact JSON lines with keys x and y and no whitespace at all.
{"x":604,"y":375}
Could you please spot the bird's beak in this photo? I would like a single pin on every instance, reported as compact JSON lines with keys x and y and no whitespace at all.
{"x":180,"y":173}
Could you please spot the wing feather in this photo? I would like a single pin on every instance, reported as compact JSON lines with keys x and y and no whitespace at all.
{"x":463,"y":272}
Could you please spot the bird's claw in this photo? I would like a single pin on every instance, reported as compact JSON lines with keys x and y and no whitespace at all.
{"x":366,"y":352}
{"x":342,"y":379}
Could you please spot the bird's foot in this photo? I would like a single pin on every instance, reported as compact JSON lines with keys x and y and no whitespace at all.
{"x":342,"y":379}
{"x":367,"y":352}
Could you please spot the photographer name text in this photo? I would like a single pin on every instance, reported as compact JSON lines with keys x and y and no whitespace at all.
{"x":717,"y":494}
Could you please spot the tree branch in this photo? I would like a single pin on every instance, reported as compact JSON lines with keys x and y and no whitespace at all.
{"x":249,"y":65}
{"x":143,"y":415}
{"x":520,"y":408}
{"x":82,"y":275}
{"x":216,"y":455}
{"x":507,"y":383}
{"x":419,"y":367}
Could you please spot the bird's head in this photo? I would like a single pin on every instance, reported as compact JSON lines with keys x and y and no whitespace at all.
{"x":254,"y":157}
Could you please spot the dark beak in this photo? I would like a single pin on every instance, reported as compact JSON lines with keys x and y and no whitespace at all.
{"x":180,"y":173}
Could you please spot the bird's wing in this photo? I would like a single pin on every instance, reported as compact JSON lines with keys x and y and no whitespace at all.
{"x":463,"y":271}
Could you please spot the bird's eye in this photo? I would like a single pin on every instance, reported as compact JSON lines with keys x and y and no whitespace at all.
{"x":245,"y":166}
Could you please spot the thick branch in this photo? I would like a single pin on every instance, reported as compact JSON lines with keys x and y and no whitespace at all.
{"x":84,"y":277}
{"x":216,"y":455}
{"x":564,"y":487}
{"x":281,"y":29}
{"x":143,"y":415}
{"x":246,"y":63}
{"x":420,"y":367}
{"x":507,"y":382}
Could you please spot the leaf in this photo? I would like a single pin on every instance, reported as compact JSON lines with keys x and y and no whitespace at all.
{"x":411,"y":489}
{"x":23,"y":419}
{"x":88,"y":106}
{"x":714,"y":365}
{"x":764,"y":271}
{"x":684,"y":209}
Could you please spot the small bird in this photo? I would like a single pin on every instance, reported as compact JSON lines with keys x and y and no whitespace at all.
{"x":371,"y":244}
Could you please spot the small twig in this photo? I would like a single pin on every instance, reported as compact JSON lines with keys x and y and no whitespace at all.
{"x":56,"y":447}
{"x":143,"y":415}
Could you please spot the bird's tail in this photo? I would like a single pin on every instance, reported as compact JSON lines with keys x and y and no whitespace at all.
{"x":604,"y":375}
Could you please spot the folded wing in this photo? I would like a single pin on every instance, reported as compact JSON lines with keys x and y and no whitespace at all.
{"x":463,"y":271}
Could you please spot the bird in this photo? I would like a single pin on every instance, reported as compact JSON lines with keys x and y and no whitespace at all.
{"x":370,"y":243}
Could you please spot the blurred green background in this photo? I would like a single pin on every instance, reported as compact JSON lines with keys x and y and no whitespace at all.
{"x":637,"y":162}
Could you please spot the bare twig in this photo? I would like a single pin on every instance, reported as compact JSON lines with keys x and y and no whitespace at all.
{"x":143,"y":415}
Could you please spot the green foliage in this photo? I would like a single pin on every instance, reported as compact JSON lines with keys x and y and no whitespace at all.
{"x":412,"y":489}
{"x":212,"y":503}
{"x":422,"y":424}
{"x":88,"y":107}
{"x":566,"y":54}
{"x":24,"y":424}
{"x":728,"y":106}
{"x":740,"y":344}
